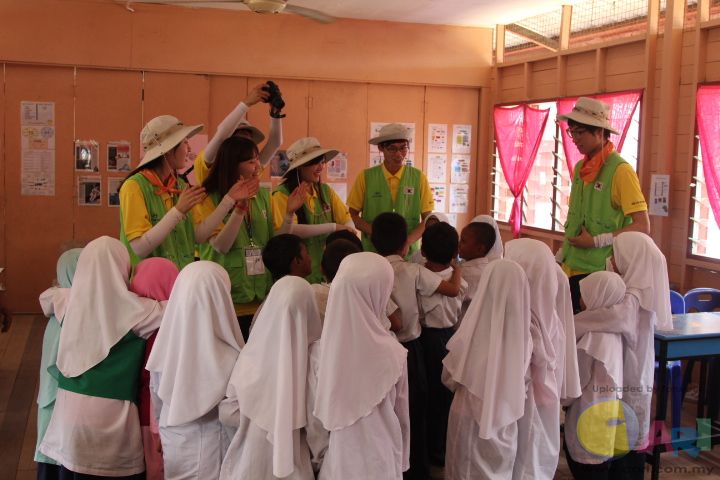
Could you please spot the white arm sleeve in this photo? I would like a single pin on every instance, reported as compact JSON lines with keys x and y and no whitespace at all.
{"x":306,"y":231}
{"x":275,"y":139}
{"x":150,"y":240}
{"x":224,"y":130}
{"x":208,"y":226}
{"x":225,"y":239}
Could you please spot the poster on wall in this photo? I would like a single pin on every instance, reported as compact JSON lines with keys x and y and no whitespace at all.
{"x":375,"y":131}
{"x":460,"y":170}
{"x":279,"y":164}
{"x":87,"y":155}
{"x":437,"y":168}
{"x":114,"y":191}
{"x":340,"y":189}
{"x":452,"y":219}
{"x":409,"y":160}
{"x":459,"y":198}
{"x":437,"y":137}
{"x":118,"y":156}
{"x":375,"y":159}
{"x":439,"y":192}
{"x":337,"y":167}
{"x":89,"y":191}
{"x":659,"y":193}
{"x":37,"y":148}
{"x":461,"y":139}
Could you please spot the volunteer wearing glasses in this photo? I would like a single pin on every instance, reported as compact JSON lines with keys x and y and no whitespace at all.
{"x":305,"y":206}
{"x":391,"y":187}
{"x":605,"y":197}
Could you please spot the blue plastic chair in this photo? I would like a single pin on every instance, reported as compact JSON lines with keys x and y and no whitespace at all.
{"x":700,"y":300}
{"x":674,"y":368}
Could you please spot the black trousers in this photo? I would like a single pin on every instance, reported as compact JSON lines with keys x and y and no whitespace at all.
{"x":627,"y":467}
{"x":245,"y":321}
{"x":417,"y":398}
{"x":434,"y":342}
{"x":66,"y":474}
{"x":575,"y":291}
{"x":48,"y":471}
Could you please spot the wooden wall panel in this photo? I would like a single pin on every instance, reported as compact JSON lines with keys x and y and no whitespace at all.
{"x":36,"y":226}
{"x":625,"y":58}
{"x":108,"y":107}
{"x":3,"y":180}
{"x":338,"y":119}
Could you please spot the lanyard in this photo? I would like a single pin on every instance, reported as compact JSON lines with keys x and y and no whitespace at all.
{"x":248,"y":223}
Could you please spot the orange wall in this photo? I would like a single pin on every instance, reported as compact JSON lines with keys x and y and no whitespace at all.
{"x":161,"y":37}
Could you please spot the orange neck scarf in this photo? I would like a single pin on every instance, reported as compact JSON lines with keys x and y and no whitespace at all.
{"x":156,"y":182}
{"x":591,"y":167}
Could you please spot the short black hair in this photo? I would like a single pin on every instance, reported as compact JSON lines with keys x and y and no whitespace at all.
{"x":389,"y":233}
{"x":344,"y":235}
{"x":590,"y":128}
{"x":484,"y":234}
{"x":440,"y":243}
{"x":279,"y":253}
{"x":334,"y":254}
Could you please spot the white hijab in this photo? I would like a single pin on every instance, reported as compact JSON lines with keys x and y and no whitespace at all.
{"x":570,"y":381}
{"x":100,"y":310}
{"x":644,"y":270}
{"x":270,"y":375}
{"x":546,"y":328}
{"x":197,"y":344}
{"x":439,"y":216}
{"x":496,"y":251}
{"x":490,"y":352}
{"x":360,"y":361}
{"x":601,"y":290}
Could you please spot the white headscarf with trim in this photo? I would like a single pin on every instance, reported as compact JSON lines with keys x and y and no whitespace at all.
{"x":496,"y":251}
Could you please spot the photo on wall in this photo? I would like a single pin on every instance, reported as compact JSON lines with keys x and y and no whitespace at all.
{"x":89,"y":191}
{"x":279,"y":164}
{"x":87,"y":155}
{"x":118,"y":156}
{"x":114,"y":191}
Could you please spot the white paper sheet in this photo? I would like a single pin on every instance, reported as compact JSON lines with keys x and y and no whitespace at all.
{"x":461,"y":139}
{"x":113,"y":191}
{"x":437,"y":168}
{"x":118,"y":156}
{"x":659,"y":194}
{"x":337,"y":167}
{"x":439,"y":191}
{"x":458,"y":198}
{"x":37,"y":148}
{"x":460,"y":170}
{"x":437,"y":137}
{"x":340,"y":189}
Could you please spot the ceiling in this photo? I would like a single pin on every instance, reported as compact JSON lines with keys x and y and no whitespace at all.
{"x":471,"y":13}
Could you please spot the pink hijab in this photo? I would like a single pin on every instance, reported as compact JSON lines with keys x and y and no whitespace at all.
{"x":154,"y":278}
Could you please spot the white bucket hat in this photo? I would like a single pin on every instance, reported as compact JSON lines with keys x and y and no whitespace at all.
{"x":391,"y":131}
{"x":255,"y":134}
{"x":589,"y":111}
{"x":305,"y":150}
{"x":162,"y":134}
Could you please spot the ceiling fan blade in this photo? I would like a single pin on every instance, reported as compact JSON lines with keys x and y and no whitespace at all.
{"x":310,"y":13}
{"x":184,"y":2}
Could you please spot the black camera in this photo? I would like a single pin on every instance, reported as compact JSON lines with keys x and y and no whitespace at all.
{"x":275,"y":99}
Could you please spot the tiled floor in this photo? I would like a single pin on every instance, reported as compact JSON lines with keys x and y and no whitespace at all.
{"x":20,"y":349}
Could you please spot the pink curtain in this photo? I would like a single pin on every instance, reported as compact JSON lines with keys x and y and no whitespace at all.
{"x":518,"y":131}
{"x":622,"y":108}
{"x":708,"y":120}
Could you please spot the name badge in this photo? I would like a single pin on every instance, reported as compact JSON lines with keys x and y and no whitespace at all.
{"x":409,"y":191}
{"x":599,"y":186}
{"x":253,"y":261}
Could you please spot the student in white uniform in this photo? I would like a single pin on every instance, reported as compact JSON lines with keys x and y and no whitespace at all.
{"x":644,"y":270}
{"x":433,"y":219}
{"x":268,"y":409}
{"x":389,"y":236}
{"x":590,"y":445}
{"x":190,"y":366}
{"x":362,"y":396}
{"x":335,"y":252}
{"x":95,"y":428}
{"x":439,"y":316}
{"x":553,"y":371}
{"x":487,"y":367}
{"x":477,"y":241}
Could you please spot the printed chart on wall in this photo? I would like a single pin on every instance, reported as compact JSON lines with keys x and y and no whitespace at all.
{"x":37,"y":130}
{"x":439,"y":191}
{"x":437,"y":168}
{"x":458,"y":198}
{"x":336,"y":168}
{"x":118,"y":156}
{"x":376,"y":157}
{"x":460,"y":171}
{"x":89,"y":191}
{"x":437,"y":137}
{"x":461,"y":139}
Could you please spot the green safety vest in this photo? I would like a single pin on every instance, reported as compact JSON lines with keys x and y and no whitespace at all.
{"x":117,"y":376}
{"x":378,"y":200}
{"x":316,"y":244}
{"x":179,"y":246}
{"x":246,"y":288}
{"x":591,"y":205}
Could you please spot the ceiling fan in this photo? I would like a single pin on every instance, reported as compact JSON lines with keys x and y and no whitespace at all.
{"x":257,"y":6}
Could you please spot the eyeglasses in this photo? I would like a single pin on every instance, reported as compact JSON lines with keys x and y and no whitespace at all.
{"x":575,"y":132}
{"x":396,"y":149}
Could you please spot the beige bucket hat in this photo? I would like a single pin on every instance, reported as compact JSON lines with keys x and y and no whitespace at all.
{"x":162,"y":134}
{"x":391,"y":131}
{"x":305,"y":150}
{"x":590,"y":111}
{"x":255,"y":134}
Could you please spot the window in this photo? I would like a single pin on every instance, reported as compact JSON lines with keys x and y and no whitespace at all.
{"x":705,"y":234}
{"x":547,"y":191}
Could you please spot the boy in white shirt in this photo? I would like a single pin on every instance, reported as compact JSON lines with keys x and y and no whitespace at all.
{"x":389,"y":237}
{"x":439,"y":314}
{"x":476,"y":240}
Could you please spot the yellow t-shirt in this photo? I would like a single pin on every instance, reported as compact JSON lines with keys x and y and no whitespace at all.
{"x":135,"y":216}
{"x":202,"y":210}
{"x":201,"y":169}
{"x":625,"y":195}
{"x":279,"y":201}
{"x":356,"y":199}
